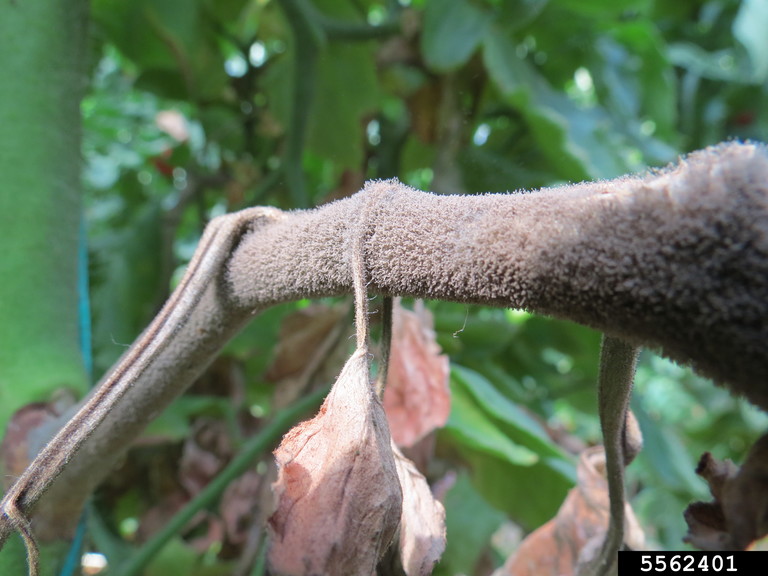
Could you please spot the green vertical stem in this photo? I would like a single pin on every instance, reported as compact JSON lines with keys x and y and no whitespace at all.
{"x":42,"y":60}
{"x":309,"y":39}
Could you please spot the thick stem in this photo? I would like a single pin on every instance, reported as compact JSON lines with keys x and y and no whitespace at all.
{"x":195,"y":297}
{"x":43,"y":55}
{"x":677,"y":261}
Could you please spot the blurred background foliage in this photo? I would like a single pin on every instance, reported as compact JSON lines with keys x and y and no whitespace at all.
{"x":198,"y":107}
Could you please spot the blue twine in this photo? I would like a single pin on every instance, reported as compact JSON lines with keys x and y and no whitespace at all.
{"x":73,"y":560}
{"x":84,"y":301}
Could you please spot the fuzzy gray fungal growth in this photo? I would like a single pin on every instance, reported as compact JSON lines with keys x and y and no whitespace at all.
{"x":675,"y":260}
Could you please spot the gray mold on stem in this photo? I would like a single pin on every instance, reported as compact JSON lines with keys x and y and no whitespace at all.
{"x":675,"y":260}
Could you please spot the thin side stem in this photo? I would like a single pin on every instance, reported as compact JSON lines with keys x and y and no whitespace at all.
{"x":386,"y":345}
{"x":618,"y":361}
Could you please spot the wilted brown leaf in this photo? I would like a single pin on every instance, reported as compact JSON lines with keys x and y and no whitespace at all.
{"x":707,"y":529}
{"x":575,"y":535}
{"x":338,"y":497}
{"x":716,"y":473}
{"x":738,"y":516}
{"x":706,"y":526}
{"x":417,"y":398}
{"x":422,"y":526}
{"x":745,"y":498}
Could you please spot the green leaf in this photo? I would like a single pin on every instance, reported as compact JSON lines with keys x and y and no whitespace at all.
{"x":721,"y":65}
{"x":486,"y":170}
{"x":470,"y":522}
{"x":517,"y":423}
{"x":229,"y":11}
{"x":604,"y":8}
{"x":749,"y":28}
{"x":470,"y":425}
{"x":13,"y":557}
{"x":127,"y":265}
{"x":166,"y":36}
{"x":522,"y":86}
{"x":175,"y":558}
{"x":664,"y":452}
{"x":474,"y":330}
{"x":518,"y":13}
{"x":514,"y":465}
{"x":640,"y":78}
{"x":665,"y":508}
{"x":580,"y":143}
{"x":453,"y":30}
{"x":530,"y":495}
{"x":346,"y":91}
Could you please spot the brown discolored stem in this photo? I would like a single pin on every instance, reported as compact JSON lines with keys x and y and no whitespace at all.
{"x":676,"y":260}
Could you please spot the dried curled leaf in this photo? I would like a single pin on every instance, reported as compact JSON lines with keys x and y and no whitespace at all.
{"x":417,"y":398}
{"x":422,"y":526}
{"x":745,"y":499}
{"x":738,"y":516}
{"x":706,"y":526}
{"x":574,"y":536}
{"x":338,"y":497}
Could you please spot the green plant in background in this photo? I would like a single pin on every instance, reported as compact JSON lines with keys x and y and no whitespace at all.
{"x":198,"y":108}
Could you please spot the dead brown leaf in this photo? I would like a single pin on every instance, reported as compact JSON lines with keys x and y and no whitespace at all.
{"x":338,"y":497}
{"x":716,"y":473}
{"x":417,"y":397}
{"x":706,"y":526}
{"x":422,"y":526}
{"x":738,"y":515}
{"x":574,"y":536}
{"x":745,"y":498}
